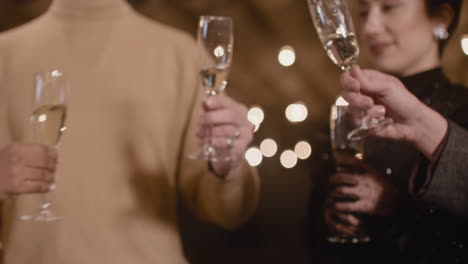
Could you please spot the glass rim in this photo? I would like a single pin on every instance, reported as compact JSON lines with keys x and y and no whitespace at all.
{"x":52,"y":72}
{"x":47,"y":76}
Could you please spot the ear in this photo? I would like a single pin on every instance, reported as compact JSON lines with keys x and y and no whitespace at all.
{"x":444,"y":15}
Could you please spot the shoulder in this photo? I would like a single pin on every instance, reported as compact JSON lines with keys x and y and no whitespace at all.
{"x":11,"y":40}
{"x":160,"y":34}
{"x":22,"y":31}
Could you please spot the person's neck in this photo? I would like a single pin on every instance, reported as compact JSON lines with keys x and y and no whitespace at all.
{"x":87,"y":8}
{"x":430,"y":60}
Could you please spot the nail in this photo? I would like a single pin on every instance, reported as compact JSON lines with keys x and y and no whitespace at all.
{"x":381,"y":110}
{"x":209,"y":102}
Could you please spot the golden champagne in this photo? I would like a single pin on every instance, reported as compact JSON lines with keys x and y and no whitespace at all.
{"x":48,"y":123}
{"x":214,"y":79}
{"x":345,"y":155}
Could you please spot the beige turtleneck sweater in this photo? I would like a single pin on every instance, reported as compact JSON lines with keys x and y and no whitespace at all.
{"x":132,"y":116}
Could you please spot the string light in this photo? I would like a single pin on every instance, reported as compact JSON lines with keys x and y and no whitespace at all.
{"x":296,"y":113}
{"x":256,"y":116}
{"x":268,"y":147}
{"x":287,"y":56}
{"x":303,"y":150}
{"x":464,"y":44}
{"x":288,"y":159}
{"x":254,"y":156}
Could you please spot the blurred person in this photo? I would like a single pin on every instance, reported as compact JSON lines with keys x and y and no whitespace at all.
{"x":135,"y":112}
{"x":411,"y":190}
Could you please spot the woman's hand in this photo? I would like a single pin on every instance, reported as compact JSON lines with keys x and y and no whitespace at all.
{"x":381,"y":95}
{"x":225,"y":126}
{"x":361,"y":190}
{"x":26,"y":168}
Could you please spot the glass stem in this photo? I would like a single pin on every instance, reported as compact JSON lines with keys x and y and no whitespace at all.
{"x":209,"y":149}
{"x":45,"y":202}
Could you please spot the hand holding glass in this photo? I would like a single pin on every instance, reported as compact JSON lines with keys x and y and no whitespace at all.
{"x":215,"y":43}
{"x":334,"y":26}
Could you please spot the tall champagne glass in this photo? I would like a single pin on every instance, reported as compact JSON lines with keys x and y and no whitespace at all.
{"x":334,"y":26}
{"x":215,"y":45}
{"x":48,"y":124}
{"x":344,"y":150}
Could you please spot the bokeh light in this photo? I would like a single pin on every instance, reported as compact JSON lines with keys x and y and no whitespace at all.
{"x":256,"y":116}
{"x":464,"y":44}
{"x":296,"y":113}
{"x":288,"y":159}
{"x":254,"y":156}
{"x":303,"y":150}
{"x":219,"y":51}
{"x":287,"y":56}
{"x":268,"y":147}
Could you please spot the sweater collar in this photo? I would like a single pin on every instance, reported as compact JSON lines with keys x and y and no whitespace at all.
{"x":423,"y":84}
{"x":88,"y":9}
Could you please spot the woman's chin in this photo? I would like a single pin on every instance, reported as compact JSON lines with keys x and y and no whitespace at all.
{"x":386,"y":66}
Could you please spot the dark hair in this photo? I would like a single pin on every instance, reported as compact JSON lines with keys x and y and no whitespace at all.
{"x":433,"y":9}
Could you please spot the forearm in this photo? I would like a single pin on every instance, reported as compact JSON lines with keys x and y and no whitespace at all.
{"x":229,"y":202}
{"x":448,"y":186}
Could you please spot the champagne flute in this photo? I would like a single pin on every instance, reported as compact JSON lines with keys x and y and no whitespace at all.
{"x":215,"y":44}
{"x":334,"y":26}
{"x":344,"y":150}
{"x":48,"y":124}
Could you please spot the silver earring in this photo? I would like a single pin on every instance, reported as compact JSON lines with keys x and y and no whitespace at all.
{"x":440,"y":32}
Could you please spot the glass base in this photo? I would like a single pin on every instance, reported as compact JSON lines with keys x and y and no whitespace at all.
{"x":342,"y":239}
{"x":42,"y":217}
{"x":45,"y":214}
{"x":367,"y":126}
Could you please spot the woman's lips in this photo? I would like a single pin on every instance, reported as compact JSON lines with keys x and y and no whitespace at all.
{"x":379,"y":48}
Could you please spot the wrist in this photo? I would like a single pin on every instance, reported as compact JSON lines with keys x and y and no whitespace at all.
{"x":427,"y":131}
{"x":223,"y":169}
